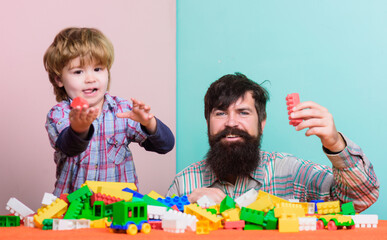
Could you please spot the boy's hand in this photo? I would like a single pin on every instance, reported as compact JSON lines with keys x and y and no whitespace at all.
{"x":320,"y":123}
{"x":141,"y":113}
{"x":81,"y":118}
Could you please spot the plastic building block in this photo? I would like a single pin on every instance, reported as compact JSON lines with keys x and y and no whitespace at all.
{"x":47,"y":224}
{"x":365,"y":220}
{"x":98,"y":210}
{"x":93,"y":185}
{"x":227,"y":203}
{"x":293,"y":200}
{"x":156,"y":212}
{"x":57,"y":208}
{"x":238,"y":225}
{"x":315,"y":203}
{"x":203,"y":227}
{"x":100,"y":223}
{"x":307,"y":223}
{"x":288,"y":223}
{"x":348,"y":209}
{"x":29,"y":221}
{"x":74,"y":209}
{"x":263,"y":203}
{"x":216,"y":208}
{"x":48,"y":198}
{"x":151,"y":201}
{"x":205,"y":202}
{"x":156,"y":225}
{"x":81,"y":193}
{"x":9,"y":221}
{"x":251,"y":226}
{"x":247,"y":198}
{"x":289,"y":208}
{"x":135,"y":194}
{"x":292,"y":100}
{"x":328,"y":207}
{"x":202,"y":214}
{"x":178,"y":222}
{"x":154,"y":195}
{"x":18,"y":208}
{"x":252,"y":216}
{"x":78,"y":101}
{"x":104,"y":198}
{"x":69,"y":224}
{"x":275,"y":199}
{"x":63,"y":196}
{"x":180,"y":202}
{"x":270,"y":222}
{"x":115,"y":192}
{"x":231,"y":214}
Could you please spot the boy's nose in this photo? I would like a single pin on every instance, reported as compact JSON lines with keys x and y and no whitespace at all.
{"x":90,"y":78}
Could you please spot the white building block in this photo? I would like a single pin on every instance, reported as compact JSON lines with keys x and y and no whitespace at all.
{"x":29,"y":221}
{"x":307,"y":223}
{"x":205,"y":202}
{"x":293,"y":200}
{"x":311,"y":208}
{"x":18,"y":208}
{"x":48,"y":198}
{"x":70,"y":224}
{"x":247,"y":198}
{"x":178,"y":222}
{"x":365,"y":220}
{"x":156,"y":212}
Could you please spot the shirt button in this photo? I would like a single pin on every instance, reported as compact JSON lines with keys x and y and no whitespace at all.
{"x":96,"y":166}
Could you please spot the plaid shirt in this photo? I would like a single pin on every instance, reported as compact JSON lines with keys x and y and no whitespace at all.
{"x":352,"y":178}
{"x":107,"y":156}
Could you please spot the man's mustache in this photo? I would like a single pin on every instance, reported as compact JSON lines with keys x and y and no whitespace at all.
{"x":230,"y":131}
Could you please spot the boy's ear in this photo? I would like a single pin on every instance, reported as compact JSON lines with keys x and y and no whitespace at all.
{"x":58,"y":81}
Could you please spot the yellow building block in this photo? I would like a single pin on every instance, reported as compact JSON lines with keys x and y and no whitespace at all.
{"x":288,"y":208}
{"x":203,"y":227}
{"x":263,"y":203}
{"x":154,"y":195}
{"x":115,"y":192}
{"x":216,"y":207}
{"x":307,"y":206}
{"x":288,"y":223}
{"x":56,"y":208}
{"x":231,"y":214}
{"x":202,"y":214}
{"x":100,"y":223}
{"x":328,"y":207}
{"x":93,"y":185}
{"x":275,"y":199}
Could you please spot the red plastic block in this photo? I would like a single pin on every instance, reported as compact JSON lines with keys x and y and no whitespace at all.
{"x":156,"y":225}
{"x":292,"y":100}
{"x":107,"y":199}
{"x":78,"y":101}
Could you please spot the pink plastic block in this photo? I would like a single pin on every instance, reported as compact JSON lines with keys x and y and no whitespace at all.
{"x":238,"y":225}
{"x":293,"y":100}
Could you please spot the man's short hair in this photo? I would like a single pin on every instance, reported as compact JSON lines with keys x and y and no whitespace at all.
{"x":229,"y":88}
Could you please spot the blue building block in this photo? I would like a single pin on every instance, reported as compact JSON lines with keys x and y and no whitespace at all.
{"x":135,"y":194}
{"x":315,"y":204}
{"x":180,"y":202}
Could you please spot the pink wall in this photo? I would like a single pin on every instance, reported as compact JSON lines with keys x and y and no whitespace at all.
{"x":143,"y":34}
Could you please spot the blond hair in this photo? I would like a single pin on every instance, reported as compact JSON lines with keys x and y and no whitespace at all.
{"x":90,"y":44}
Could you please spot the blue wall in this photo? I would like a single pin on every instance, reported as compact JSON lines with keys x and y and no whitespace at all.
{"x":330,"y":52}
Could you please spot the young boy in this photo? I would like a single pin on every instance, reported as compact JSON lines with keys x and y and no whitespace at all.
{"x":91,"y":141}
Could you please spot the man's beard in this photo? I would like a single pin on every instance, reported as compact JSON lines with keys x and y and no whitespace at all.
{"x":238,"y":159}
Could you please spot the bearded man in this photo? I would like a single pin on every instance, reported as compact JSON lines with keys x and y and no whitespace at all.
{"x":235,"y":110}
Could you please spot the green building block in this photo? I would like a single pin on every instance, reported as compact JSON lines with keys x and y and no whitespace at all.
{"x":227,"y":203}
{"x":252,"y":216}
{"x":9,"y":221}
{"x":250,"y":226}
{"x":74,"y":209}
{"x":348,"y":209}
{"x":270,"y":222}
{"x":82,"y":193}
{"x":47,"y":224}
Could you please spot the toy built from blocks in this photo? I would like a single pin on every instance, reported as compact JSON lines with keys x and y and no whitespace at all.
{"x":119,"y":208}
{"x":292,"y":100}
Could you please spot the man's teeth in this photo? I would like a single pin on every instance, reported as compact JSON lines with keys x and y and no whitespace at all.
{"x":232,"y":136}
